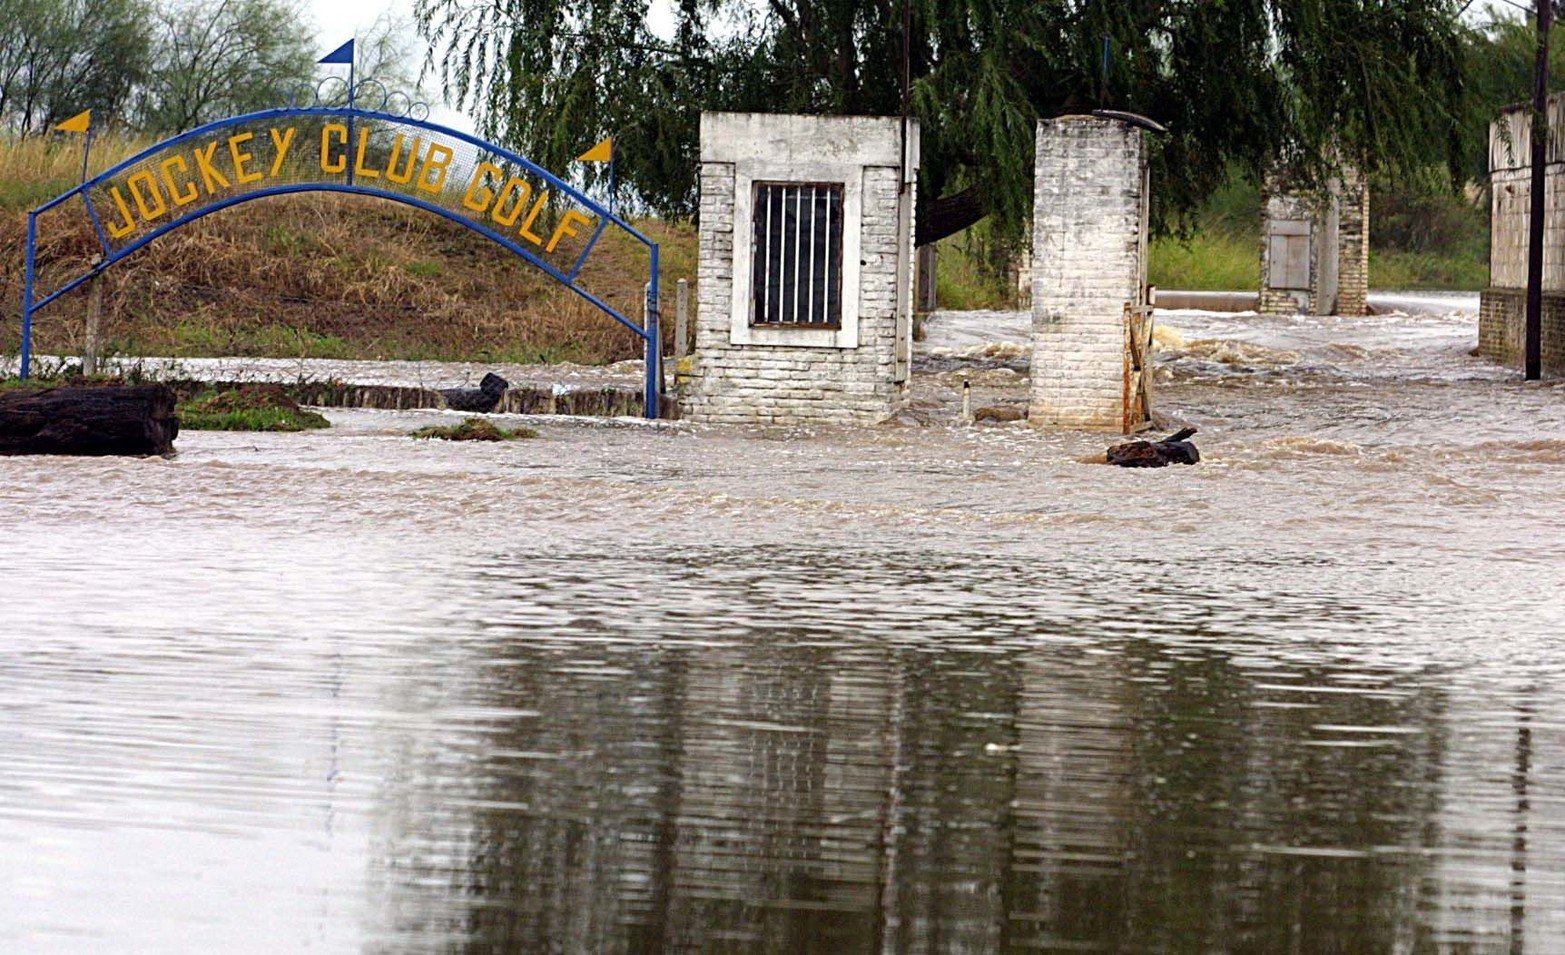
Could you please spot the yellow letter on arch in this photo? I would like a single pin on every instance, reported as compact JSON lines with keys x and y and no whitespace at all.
{"x":144,"y":191}
{"x":478,"y":195}
{"x":180,"y":198}
{"x":564,"y":228}
{"x":436,"y":166}
{"x":240,"y":158}
{"x":329,"y":132}
{"x":517,"y":191}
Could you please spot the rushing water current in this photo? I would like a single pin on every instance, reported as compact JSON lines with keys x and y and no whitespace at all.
{"x":915,"y":689}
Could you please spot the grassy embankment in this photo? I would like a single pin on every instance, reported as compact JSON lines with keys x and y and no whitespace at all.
{"x":320,"y":276}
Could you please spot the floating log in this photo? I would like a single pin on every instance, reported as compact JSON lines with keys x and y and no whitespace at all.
{"x":1174,"y":449}
{"x":1000,"y":413}
{"x":111,"y":419}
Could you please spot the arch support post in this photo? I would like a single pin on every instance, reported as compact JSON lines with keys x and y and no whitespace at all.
{"x":29,"y":288}
{"x":652,"y":397}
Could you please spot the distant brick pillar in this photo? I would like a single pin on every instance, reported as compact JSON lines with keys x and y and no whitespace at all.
{"x":1353,"y":247}
{"x":1088,"y":262}
{"x":1301,"y":253}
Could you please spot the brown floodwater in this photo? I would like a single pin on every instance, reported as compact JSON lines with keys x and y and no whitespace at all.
{"x":909,"y":689}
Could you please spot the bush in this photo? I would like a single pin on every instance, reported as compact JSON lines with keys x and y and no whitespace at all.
{"x":472,"y":429}
{"x":249,"y":408}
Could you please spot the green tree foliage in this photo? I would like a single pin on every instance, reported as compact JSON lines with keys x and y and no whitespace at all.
{"x":215,"y":58}
{"x":1312,"y":83}
{"x":1499,"y":54}
{"x":165,"y":66}
{"x":60,"y":57}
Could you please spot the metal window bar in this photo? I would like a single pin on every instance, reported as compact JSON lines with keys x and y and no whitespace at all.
{"x":813,"y":287}
{"x":763,"y":275}
{"x":798,"y":244}
{"x":796,"y":247}
{"x":831,"y":278}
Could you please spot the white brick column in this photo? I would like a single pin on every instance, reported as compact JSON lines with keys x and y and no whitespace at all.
{"x":1088,"y":263}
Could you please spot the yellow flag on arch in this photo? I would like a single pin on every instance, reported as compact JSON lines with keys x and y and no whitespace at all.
{"x":79,"y":123}
{"x":603,"y":152}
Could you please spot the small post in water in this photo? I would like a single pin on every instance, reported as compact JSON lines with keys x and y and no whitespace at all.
{"x":967,"y":401}
{"x":94,"y":321}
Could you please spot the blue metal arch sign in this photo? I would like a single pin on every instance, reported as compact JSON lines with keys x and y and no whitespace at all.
{"x":497,"y":193}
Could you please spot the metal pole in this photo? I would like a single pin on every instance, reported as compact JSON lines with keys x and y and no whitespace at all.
{"x":1533,"y":362}
{"x":682,"y":320}
{"x":613,"y":158}
{"x":29,"y":278}
{"x":94,"y":288}
{"x":86,"y":151}
{"x":352,"y":156}
{"x":653,"y":397}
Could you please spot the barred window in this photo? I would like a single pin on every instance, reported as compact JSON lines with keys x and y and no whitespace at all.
{"x":797,"y":254}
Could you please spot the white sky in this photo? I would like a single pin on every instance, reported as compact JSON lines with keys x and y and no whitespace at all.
{"x":337,"y":21}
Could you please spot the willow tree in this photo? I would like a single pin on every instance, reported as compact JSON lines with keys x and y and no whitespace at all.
{"x":1310,"y":83}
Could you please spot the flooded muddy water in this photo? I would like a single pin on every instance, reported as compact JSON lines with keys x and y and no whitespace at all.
{"x":909,"y":688}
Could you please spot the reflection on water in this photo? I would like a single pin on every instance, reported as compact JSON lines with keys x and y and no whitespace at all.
{"x":941,"y":765}
{"x":892,"y":690}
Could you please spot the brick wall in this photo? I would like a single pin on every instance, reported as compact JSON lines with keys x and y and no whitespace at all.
{"x":1510,"y":178}
{"x":1088,"y":261}
{"x":733,"y":381}
{"x":1502,"y":314}
{"x":1502,"y":321}
{"x":1353,"y":247}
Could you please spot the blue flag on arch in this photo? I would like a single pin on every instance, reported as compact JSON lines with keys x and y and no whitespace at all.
{"x":343,"y":54}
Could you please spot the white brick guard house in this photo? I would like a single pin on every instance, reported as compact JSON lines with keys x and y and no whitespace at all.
{"x":805,"y":280}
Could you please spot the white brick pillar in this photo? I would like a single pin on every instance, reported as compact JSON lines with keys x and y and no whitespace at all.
{"x":1089,"y":254}
{"x":758,"y":361}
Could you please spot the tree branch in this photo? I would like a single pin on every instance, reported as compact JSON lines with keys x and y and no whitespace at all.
{"x":949,"y":215}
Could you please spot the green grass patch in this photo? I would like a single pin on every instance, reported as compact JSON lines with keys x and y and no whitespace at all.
{"x":193,"y":338}
{"x":251,"y":408}
{"x":1455,"y":272}
{"x":254,"y":419}
{"x":1207,"y":261}
{"x":962,"y":281}
{"x":472,"y":429}
{"x":31,"y":384}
